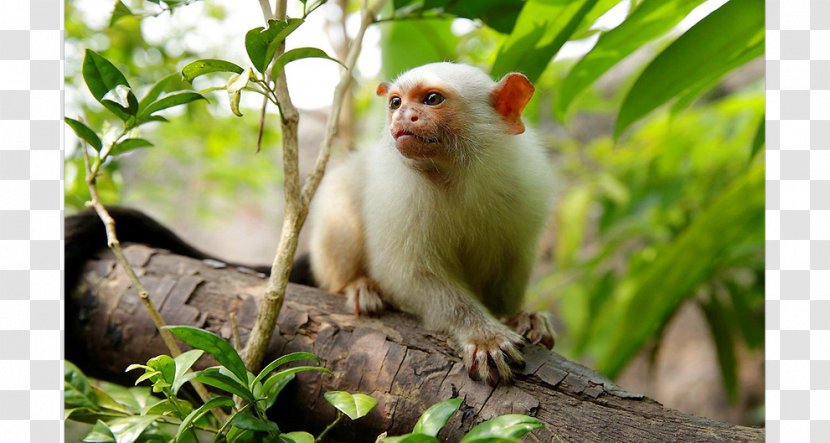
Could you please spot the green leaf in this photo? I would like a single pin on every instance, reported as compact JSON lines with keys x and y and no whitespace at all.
{"x":166,"y":367}
{"x":759,"y":140}
{"x":215,"y":402}
{"x":353,"y":405}
{"x":434,"y":418}
{"x":504,"y":427}
{"x":84,"y":133}
{"x":683,"y":265}
{"x":169,"y":83}
{"x":76,"y":389}
{"x":275,"y":388}
{"x":105,"y":401}
{"x":272,"y":380}
{"x":246,"y":420}
{"x":214,"y":345}
{"x":206,"y":66}
{"x":170,"y":100}
{"x":285,"y":359}
{"x":406,"y":44}
{"x":719,"y":327}
{"x":574,"y":209}
{"x":262,"y":43}
{"x":649,"y":20}
{"x":411,"y":438}
{"x":121,"y":10}
{"x":731,"y":34}
{"x":297,"y":437}
{"x":214,"y":377}
{"x":129,"y":144}
{"x":129,"y":429}
{"x":542,"y":28}
{"x":297,"y":54}
{"x":101,"y":77}
{"x":100,"y":433}
{"x":184,"y":362}
{"x":500,"y":15}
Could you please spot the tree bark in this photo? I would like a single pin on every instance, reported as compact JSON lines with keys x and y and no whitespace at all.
{"x":391,"y":358}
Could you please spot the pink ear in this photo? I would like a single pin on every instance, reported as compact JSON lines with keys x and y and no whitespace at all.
{"x":383,"y":88}
{"x":509,"y":98}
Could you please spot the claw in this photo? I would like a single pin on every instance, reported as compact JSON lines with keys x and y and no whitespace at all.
{"x":537,"y":327}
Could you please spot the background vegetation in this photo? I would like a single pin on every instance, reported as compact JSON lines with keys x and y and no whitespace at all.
{"x":654,"y":122}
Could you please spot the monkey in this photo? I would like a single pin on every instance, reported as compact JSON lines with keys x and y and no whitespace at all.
{"x":442,"y":217}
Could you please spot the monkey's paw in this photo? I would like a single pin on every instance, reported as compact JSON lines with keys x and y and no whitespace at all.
{"x":490,"y":356}
{"x":536,"y":327}
{"x":363,"y":297}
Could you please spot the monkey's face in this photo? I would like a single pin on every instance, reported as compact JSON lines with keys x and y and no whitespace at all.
{"x":423,"y":119}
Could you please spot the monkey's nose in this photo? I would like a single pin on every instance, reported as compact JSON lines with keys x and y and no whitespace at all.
{"x":413,"y":118}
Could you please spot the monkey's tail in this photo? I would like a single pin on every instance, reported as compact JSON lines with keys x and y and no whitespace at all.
{"x":85,"y":236}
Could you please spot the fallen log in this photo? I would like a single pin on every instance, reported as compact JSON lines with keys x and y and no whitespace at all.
{"x":391,"y":358}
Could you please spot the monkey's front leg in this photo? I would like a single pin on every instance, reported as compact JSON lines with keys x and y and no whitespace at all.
{"x":488,"y":347}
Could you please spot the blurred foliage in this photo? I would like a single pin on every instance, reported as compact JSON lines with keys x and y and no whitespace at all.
{"x":662,"y":186}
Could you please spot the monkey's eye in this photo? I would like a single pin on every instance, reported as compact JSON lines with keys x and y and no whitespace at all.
{"x":434,"y":98}
{"x":395,"y":103}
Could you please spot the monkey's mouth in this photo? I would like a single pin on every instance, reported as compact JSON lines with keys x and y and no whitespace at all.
{"x":405,"y":133}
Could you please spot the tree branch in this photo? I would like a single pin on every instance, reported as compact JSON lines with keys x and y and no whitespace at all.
{"x":391,"y":358}
{"x":296,"y":199}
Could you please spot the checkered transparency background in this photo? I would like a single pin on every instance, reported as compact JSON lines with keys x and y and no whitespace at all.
{"x":797,"y":217}
{"x":31,"y":231}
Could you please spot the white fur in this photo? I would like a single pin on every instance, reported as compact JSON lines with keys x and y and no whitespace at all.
{"x":455,"y":252}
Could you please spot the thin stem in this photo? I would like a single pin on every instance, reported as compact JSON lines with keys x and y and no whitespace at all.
{"x":228,"y":422}
{"x":115,"y":246}
{"x":266,"y":10}
{"x":333,"y":122}
{"x":329,"y":427}
{"x":296,"y":198}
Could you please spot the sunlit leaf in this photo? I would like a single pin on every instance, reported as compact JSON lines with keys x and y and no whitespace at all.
{"x":100,"y":433}
{"x":184,"y":362}
{"x":129,"y":429}
{"x":207,"y":66}
{"x":504,"y":426}
{"x":733,"y":32}
{"x":353,"y":405}
{"x":686,"y":262}
{"x":650,"y":19}
{"x":411,"y":438}
{"x":214,"y":345}
{"x":542,"y":28}
{"x":436,"y":416}
{"x":84,"y":132}
{"x":297,"y":437}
